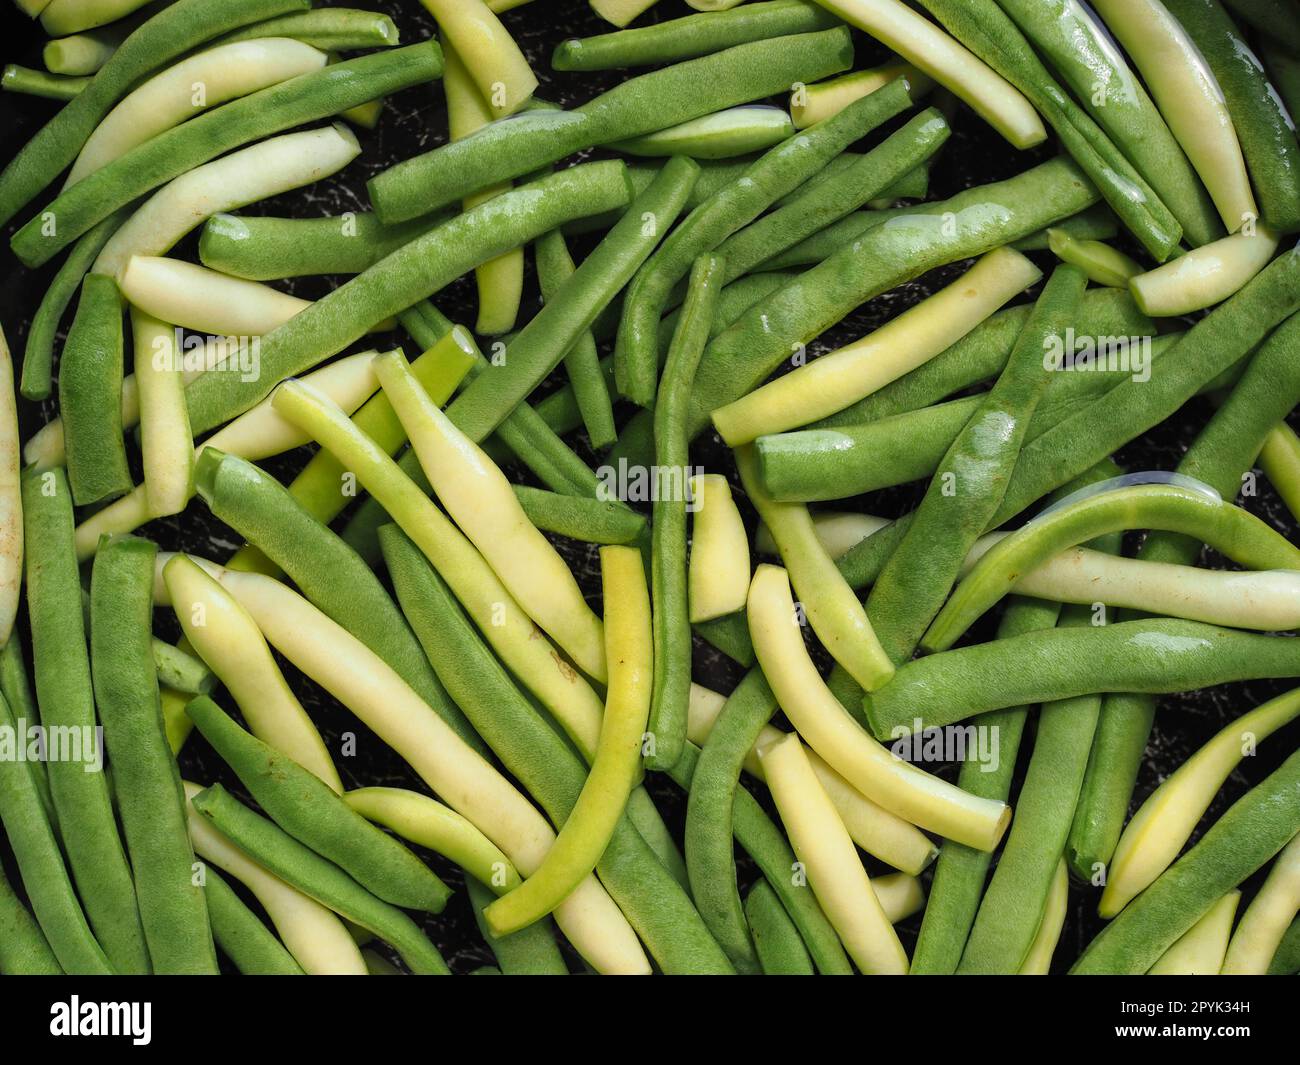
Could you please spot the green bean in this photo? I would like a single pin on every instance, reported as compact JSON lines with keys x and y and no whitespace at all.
{"x":710,"y":853}
{"x":31,"y":82}
{"x":914,"y":242}
{"x":531,"y":951}
{"x":1071,"y":38}
{"x":169,"y":34}
{"x":672,"y":634}
{"x":1215,"y":343}
{"x":532,"y":750}
{"x":332,"y":29}
{"x":1286,"y":962}
{"x":1152,"y":656}
{"x":311,"y":812}
{"x":406,"y":276}
{"x":763,"y":841}
{"x":1256,"y":827}
{"x":63,"y":688}
{"x":983,"y":352}
{"x":16,"y":688}
{"x":1103,"y":264}
{"x":615,"y":764}
{"x":179,"y":670}
{"x":263,"y":248}
{"x":1096,"y":223}
{"x":690,"y":37}
{"x":1283,"y":68}
{"x":544,"y":341}
{"x":592,"y":521}
{"x":725,"y":134}
{"x":40,"y":862}
{"x":90,"y":394}
{"x":24,"y":950}
{"x":582,"y":363}
{"x":241,"y":935}
{"x":825,"y":243}
{"x":327,"y":572}
{"x":303,"y":868}
{"x":38,"y":357}
{"x":646,"y":819}
{"x":640,"y":105}
{"x":1264,"y":128}
{"x":310,"y":96}
{"x":776,"y":939}
{"x":986,"y":29}
{"x":972,"y":475}
{"x":1240,"y":536}
{"x":775,"y":174}
{"x":827,"y":201}
{"x":1219,"y":456}
{"x":172,"y":909}
{"x":960,"y":871}
{"x":730,"y":635}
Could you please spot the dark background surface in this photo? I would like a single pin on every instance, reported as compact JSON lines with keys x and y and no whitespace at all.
{"x":415,"y":121}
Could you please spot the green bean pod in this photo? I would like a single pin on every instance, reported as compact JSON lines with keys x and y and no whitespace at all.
{"x":90,"y":394}
{"x":312,"y":813}
{"x":672,"y":633}
{"x":639,"y":105}
{"x":169,"y":34}
{"x":241,"y":935}
{"x":591,"y":521}
{"x":331,"y":29}
{"x":327,"y":571}
{"x":264,"y":248}
{"x":1256,"y":827}
{"x":776,"y":939}
{"x":1286,"y":962}
{"x":531,"y":951}
{"x":408,"y":275}
{"x":63,"y":687}
{"x":147,"y":784}
{"x":18,"y":78}
{"x":710,"y":853}
{"x":1153,"y":656}
{"x":691,"y":36}
{"x":310,"y":96}
{"x":24,"y":950}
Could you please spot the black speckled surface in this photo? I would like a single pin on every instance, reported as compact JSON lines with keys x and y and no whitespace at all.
{"x":415,"y":121}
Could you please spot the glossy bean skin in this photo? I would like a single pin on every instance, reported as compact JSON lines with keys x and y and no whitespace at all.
{"x":410,"y":274}
{"x":303,"y":868}
{"x":741,"y":357}
{"x":306,"y":98}
{"x":1253,"y":829}
{"x":640,"y":105}
{"x":311,"y":812}
{"x":164,"y":37}
{"x":1152,"y":656}
{"x":63,"y":688}
{"x":173,"y":911}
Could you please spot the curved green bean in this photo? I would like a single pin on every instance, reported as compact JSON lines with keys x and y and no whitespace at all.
{"x":639,"y":105}
{"x":173,"y":912}
{"x":87,"y":826}
{"x":776,"y":939}
{"x":1152,"y":656}
{"x":310,"y":96}
{"x":241,"y":935}
{"x":301,"y":867}
{"x":772,"y":176}
{"x":531,"y":951}
{"x":24,"y":950}
{"x":311,"y":812}
{"x":169,"y":34}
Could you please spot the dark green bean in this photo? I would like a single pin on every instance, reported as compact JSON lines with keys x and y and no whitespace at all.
{"x":531,"y":951}
{"x":639,"y":105}
{"x":1286,"y":962}
{"x":240,"y":933}
{"x":90,"y":394}
{"x":310,"y":811}
{"x":332,"y":29}
{"x":672,"y":631}
{"x":300,"y":866}
{"x":780,"y":949}
{"x":38,"y":356}
{"x":532,"y":750}
{"x":1254,"y":828}
{"x":63,"y":689}
{"x":324,"y":568}
{"x":179,"y":670}
{"x":147,"y":784}
{"x":710,"y":853}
